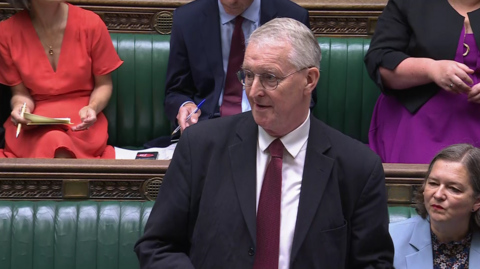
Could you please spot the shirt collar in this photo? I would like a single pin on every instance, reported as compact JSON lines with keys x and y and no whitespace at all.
{"x":293,"y":141}
{"x":252,"y":13}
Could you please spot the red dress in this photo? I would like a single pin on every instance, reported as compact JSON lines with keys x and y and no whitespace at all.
{"x":87,"y":50}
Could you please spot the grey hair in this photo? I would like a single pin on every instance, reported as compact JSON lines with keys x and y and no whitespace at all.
{"x":25,"y":4}
{"x":305,"y":49}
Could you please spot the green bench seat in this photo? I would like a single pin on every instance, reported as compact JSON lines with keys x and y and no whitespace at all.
{"x":81,"y":235}
{"x":135,"y":113}
{"x":346,"y":95}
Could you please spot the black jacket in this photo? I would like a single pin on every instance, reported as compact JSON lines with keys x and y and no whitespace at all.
{"x":205,"y":213}
{"x":416,"y":28}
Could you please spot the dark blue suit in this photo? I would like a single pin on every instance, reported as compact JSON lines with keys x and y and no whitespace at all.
{"x":195,"y":66}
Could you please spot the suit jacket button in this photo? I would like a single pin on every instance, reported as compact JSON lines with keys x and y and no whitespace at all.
{"x":251,"y":252}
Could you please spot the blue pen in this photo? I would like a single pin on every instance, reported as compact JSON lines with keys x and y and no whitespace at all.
{"x":189,"y":116}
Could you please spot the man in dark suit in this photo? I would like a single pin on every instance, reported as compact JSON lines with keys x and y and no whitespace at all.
{"x":273,"y":188}
{"x":200,"y":51}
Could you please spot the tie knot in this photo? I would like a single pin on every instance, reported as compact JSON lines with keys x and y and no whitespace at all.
{"x":238,"y":21}
{"x":276,"y":149}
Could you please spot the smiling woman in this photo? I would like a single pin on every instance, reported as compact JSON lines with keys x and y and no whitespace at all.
{"x":449,"y":223}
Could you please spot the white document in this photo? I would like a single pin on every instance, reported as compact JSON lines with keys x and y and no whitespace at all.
{"x":163,"y":153}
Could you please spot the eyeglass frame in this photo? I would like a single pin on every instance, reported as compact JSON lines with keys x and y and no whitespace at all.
{"x":279,"y":79}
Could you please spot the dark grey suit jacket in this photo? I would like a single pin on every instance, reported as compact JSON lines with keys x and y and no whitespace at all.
{"x":205,"y":213}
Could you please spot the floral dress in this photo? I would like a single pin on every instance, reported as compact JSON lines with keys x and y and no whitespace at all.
{"x":452,"y":255}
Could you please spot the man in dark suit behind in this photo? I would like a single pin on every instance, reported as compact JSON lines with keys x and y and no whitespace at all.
{"x":273,"y":188}
{"x":200,"y":47}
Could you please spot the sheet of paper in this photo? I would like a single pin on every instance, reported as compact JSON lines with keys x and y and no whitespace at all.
{"x":127,"y":154}
{"x":38,"y":120}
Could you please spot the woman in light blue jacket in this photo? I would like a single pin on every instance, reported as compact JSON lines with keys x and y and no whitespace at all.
{"x":446,"y":234}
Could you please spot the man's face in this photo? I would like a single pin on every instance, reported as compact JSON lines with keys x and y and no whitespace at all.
{"x":283,"y":109}
{"x":235,"y":7}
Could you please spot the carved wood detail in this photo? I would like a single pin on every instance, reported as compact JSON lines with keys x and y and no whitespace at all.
{"x":118,"y":190}
{"x":346,"y":25}
{"x":139,"y":180}
{"x":30,"y":189}
{"x":6,"y":13}
{"x":327,"y":17}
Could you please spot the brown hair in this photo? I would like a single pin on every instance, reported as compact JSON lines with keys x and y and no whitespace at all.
{"x":465,"y":154}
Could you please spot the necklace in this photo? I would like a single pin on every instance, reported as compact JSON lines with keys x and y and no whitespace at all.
{"x":465,"y":44}
{"x":50,"y":50}
{"x":468,"y":49}
{"x":50,"y":47}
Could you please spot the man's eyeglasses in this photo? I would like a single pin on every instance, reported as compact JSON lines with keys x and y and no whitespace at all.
{"x":269,"y":81}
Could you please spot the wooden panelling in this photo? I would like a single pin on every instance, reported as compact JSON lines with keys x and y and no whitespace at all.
{"x":327,"y":17}
{"x":57,"y":179}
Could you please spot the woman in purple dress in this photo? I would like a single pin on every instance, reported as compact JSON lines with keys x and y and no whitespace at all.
{"x":425,"y":59}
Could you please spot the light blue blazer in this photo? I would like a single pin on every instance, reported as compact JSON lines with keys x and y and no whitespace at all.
{"x":413,"y":245}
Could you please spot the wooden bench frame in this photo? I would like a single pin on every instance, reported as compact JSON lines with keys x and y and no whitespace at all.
{"x":64,"y":179}
{"x":327,"y":17}
{"x":37,"y":179}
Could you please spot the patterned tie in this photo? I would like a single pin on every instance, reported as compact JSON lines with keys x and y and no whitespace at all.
{"x":232,"y":94}
{"x":268,"y":214}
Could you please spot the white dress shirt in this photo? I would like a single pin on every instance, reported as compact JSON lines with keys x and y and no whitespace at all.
{"x":292,"y":172}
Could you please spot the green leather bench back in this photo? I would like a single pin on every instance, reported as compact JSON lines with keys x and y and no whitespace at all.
{"x":135,"y":111}
{"x":346,"y":95}
{"x":80,"y":235}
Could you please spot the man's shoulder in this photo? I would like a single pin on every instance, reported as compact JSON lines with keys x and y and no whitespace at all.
{"x":287,"y":8}
{"x":194,"y":7}
{"x":344,"y":146}
{"x":223,"y":127}
{"x":288,"y":4}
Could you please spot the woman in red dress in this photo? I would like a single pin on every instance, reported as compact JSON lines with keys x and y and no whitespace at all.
{"x":57,"y":58}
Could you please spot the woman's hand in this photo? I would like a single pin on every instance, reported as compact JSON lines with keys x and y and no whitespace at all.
{"x":451,"y":76}
{"x":88,"y":117}
{"x":474,"y":94}
{"x":17,"y":114}
{"x":20,"y":96}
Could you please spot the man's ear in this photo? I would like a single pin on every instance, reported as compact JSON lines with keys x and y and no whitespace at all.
{"x":312,"y":78}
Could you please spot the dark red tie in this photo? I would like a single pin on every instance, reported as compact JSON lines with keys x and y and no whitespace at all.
{"x":268,"y":213}
{"x":232,"y":94}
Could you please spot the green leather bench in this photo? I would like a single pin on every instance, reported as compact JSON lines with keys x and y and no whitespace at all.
{"x":346,"y":95}
{"x":81,"y":235}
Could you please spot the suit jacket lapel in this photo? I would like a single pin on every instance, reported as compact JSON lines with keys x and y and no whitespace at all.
{"x":268,"y":11}
{"x":316,"y":173}
{"x":474,"y":258}
{"x":212,"y":45}
{"x":243,"y":166}
{"x":421,"y":240}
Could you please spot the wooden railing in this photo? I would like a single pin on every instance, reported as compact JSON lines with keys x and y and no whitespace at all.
{"x":58,"y":179}
{"x":327,"y":17}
